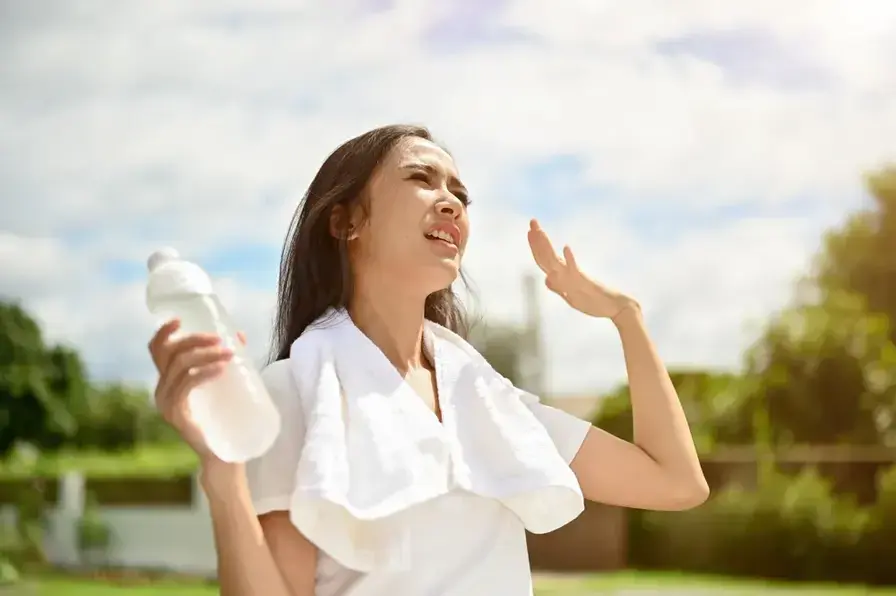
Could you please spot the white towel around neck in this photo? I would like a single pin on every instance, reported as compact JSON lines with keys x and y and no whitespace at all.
{"x":373,"y":450}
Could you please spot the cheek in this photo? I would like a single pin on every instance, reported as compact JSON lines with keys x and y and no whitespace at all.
{"x":403,"y":219}
{"x":393,"y":236}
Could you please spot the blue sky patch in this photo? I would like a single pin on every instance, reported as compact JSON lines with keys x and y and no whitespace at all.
{"x":750,"y":56}
{"x":552,"y":188}
{"x":254,"y":264}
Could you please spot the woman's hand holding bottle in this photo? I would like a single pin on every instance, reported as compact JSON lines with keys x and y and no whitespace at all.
{"x":184,"y":364}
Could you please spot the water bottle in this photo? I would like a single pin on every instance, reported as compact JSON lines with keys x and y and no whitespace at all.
{"x":234,"y":411}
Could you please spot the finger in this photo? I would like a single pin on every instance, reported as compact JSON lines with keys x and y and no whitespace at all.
{"x":185,"y":361}
{"x":170,"y":349}
{"x":197,"y":376}
{"x":179,"y":366}
{"x":543,"y":251}
{"x":181,"y":390}
{"x":167,"y":390}
{"x":241,"y":336}
{"x":161,"y":336}
{"x":570,"y":258}
{"x":550,"y":285}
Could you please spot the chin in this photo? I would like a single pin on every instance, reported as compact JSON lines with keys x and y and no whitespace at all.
{"x":440,"y":277}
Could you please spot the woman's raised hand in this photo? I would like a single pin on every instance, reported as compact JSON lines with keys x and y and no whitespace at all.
{"x":564,"y":278}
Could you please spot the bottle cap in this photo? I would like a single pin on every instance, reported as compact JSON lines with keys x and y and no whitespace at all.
{"x":160,"y":257}
{"x":172,"y":277}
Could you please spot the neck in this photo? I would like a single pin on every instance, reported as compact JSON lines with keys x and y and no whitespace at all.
{"x":392,"y":320}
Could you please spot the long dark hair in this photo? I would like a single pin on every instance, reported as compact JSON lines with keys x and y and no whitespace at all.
{"x":314,"y":266}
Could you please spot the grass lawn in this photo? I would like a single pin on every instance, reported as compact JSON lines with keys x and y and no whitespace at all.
{"x":72,"y":587}
{"x":146,"y":461}
{"x":621,"y":584}
{"x":671,"y":584}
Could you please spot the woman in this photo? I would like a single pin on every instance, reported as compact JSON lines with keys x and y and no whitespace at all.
{"x":368,"y":492}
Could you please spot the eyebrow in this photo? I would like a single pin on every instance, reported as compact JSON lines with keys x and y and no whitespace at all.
{"x":434,"y":171}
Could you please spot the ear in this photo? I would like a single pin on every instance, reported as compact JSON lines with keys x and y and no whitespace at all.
{"x":341,"y":225}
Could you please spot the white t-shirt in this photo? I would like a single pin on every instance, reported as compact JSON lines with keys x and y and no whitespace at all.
{"x":458,"y":543}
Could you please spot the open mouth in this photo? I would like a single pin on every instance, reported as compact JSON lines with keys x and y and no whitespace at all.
{"x":442,"y":236}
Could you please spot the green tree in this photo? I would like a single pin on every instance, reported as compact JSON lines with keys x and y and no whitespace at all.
{"x":46,"y":398}
{"x":860,"y":256}
{"x":824,"y":371}
{"x":119,"y":417}
{"x":31,"y":409}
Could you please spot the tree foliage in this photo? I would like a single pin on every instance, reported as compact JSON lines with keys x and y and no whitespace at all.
{"x":46,"y":398}
{"x":860,"y":257}
{"x":824,"y":371}
{"x":32,"y":408}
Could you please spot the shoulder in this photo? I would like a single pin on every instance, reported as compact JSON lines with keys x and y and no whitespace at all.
{"x":276,"y":375}
{"x":316,"y":340}
{"x":279,"y":380}
{"x":296,"y":375}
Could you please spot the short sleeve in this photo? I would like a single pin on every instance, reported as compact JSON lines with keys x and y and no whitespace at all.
{"x":567,"y":431}
{"x":272,"y":477}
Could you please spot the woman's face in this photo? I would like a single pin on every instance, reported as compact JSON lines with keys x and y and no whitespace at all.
{"x":417,"y":225}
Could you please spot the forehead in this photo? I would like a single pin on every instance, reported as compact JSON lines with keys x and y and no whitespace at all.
{"x":414,"y":150}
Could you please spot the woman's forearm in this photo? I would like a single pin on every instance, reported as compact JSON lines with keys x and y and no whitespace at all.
{"x":246,"y":566}
{"x":660,"y":426}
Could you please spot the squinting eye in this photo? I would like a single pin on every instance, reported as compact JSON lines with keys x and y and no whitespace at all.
{"x":419,"y":176}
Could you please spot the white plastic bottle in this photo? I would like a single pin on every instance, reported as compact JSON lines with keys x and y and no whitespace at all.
{"x":234,"y":411}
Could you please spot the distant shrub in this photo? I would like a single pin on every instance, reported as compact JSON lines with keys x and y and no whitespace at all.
{"x":793,"y":527}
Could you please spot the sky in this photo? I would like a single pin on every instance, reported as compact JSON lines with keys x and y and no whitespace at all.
{"x":691,"y":153}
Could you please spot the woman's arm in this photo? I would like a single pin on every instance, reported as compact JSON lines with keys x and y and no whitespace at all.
{"x":265,"y":555}
{"x":660,"y":470}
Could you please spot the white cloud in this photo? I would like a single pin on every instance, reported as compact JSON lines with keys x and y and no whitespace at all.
{"x":200,"y":124}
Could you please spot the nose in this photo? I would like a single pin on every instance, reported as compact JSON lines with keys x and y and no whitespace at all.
{"x":449,"y":206}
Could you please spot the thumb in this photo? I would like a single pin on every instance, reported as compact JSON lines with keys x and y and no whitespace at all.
{"x":552,"y":287}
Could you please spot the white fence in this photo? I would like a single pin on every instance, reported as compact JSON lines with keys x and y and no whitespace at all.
{"x":175,"y":538}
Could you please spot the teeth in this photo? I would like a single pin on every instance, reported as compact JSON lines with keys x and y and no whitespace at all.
{"x":441,"y":236}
